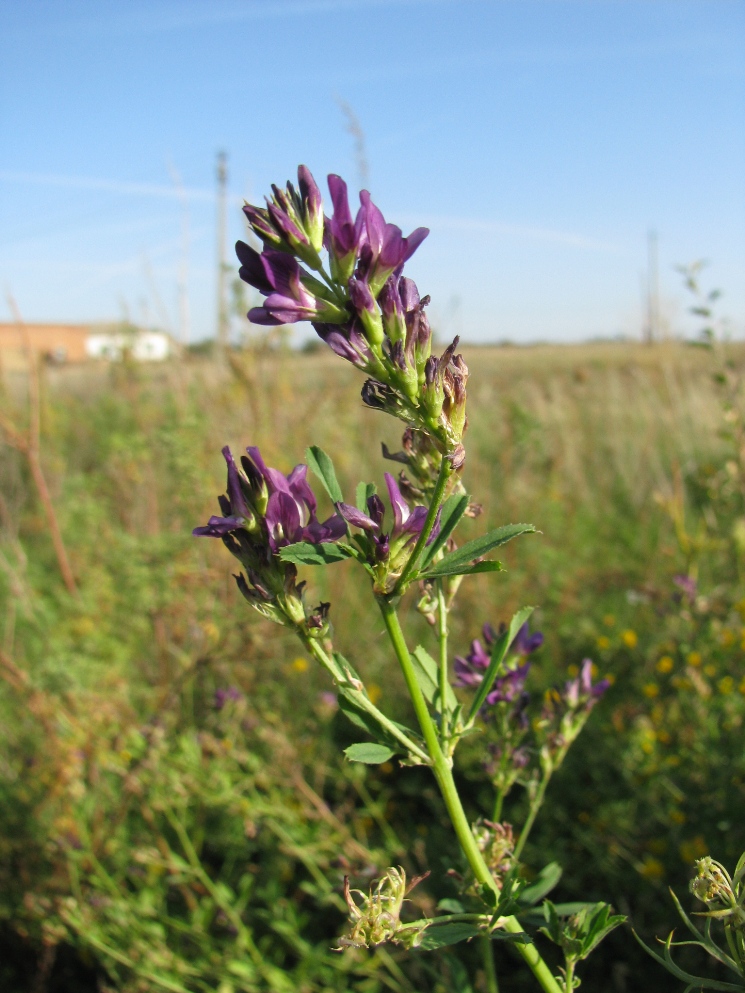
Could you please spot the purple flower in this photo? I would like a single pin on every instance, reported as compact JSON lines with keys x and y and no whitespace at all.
{"x":276,"y":509}
{"x":342,"y":234}
{"x":382,"y":246}
{"x":525,"y":642}
{"x":292,"y":222}
{"x":407,"y":523}
{"x":687,"y":585}
{"x":223,"y":695}
{"x":348,"y":342}
{"x":580,"y":690}
{"x":280,"y":278}
{"x":509,"y":687}
{"x":469,"y":671}
{"x":291,"y":508}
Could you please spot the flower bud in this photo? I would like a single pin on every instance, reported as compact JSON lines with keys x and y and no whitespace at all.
{"x":367,"y":311}
{"x":393,"y":311}
{"x":312,"y":207}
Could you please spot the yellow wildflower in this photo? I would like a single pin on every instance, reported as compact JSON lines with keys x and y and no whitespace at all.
{"x":693,"y":848}
{"x":652,"y":868}
{"x":665,"y":664}
{"x":374,"y":692}
{"x":726,"y":684}
{"x":630,"y":638}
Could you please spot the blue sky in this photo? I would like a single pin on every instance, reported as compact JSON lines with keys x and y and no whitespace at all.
{"x":539,"y":140}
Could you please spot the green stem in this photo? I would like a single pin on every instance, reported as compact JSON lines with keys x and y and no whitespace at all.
{"x":487,"y":953}
{"x":569,"y":978}
{"x":442,"y":635}
{"x":439,"y":491}
{"x":497,"y":815}
{"x":535,"y":806}
{"x":361,"y":699}
{"x":444,"y":776}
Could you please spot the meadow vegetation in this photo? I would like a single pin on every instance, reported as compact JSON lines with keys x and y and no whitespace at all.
{"x":175,"y":810}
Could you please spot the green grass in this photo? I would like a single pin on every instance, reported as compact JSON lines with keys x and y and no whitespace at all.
{"x":586,"y":442}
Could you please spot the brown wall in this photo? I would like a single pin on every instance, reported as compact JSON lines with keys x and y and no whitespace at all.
{"x":68,"y":340}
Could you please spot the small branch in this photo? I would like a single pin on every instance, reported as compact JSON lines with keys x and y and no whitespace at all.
{"x":442,"y":635}
{"x":442,"y":480}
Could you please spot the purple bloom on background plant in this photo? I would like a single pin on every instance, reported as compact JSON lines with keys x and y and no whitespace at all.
{"x":580,"y":690}
{"x":687,"y":585}
{"x":223,"y":695}
{"x":525,"y":642}
{"x":469,"y":671}
{"x":509,"y":687}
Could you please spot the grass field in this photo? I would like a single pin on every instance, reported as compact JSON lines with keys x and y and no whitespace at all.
{"x":148,"y":836}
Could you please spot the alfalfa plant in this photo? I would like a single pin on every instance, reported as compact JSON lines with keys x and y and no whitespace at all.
{"x":345,"y":276}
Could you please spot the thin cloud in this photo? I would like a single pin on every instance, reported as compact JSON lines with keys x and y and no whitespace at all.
{"x":531,"y":232}
{"x":150,"y":20}
{"x":109,"y":185}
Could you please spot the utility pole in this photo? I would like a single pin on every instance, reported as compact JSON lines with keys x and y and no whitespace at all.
{"x":652,"y":331}
{"x":222,"y":265}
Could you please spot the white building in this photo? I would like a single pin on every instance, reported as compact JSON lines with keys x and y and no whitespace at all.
{"x":144,"y":346}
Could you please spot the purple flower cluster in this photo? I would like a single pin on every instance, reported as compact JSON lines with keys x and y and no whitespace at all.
{"x":386,"y":547}
{"x":260,"y":499}
{"x":225,"y":694}
{"x":580,"y":691}
{"x":262,"y":511}
{"x":364,"y":308}
{"x":508,"y":688}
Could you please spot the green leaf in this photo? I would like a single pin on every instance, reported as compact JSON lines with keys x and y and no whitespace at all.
{"x":445,"y":568}
{"x":369,"y":752}
{"x":321,"y":465}
{"x":362,"y":494}
{"x":439,"y":935}
{"x":357,"y":716}
{"x":427,"y":675}
{"x":547,"y":879}
{"x":536,"y":915}
{"x":480,"y":546}
{"x":451,"y":906}
{"x":362,"y":719}
{"x":498,"y":652}
{"x":306,"y":553}
{"x":452,"y":510}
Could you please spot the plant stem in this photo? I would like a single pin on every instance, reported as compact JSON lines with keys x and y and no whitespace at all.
{"x":439,"y":491}
{"x":487,"y":953}
{"x":497,"y":815}
{"x":442,"y":635}
{"x":535,"y":806}
{"x":316,"y":649}
{"x":569,"y":976}
{"x":441,"y":766}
